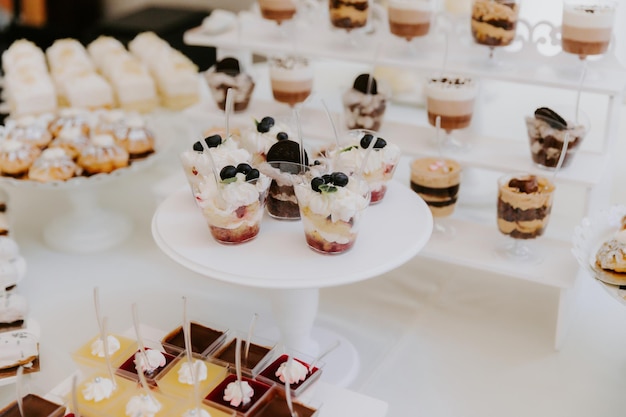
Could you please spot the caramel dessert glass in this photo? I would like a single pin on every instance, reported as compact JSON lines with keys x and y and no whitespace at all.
{"x":494,"y":23}
{"x":587,"y":26}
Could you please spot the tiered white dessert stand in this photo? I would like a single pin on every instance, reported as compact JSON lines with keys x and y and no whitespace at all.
{"x":278,"y":259}
{"x":534,"y":59}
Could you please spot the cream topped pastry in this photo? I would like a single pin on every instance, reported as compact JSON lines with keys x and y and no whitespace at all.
{"x":29,"y":129}
{"x":238,"y":393}
{"x":134,"y":136}
{"x":331,"y":207}
{"x":587,"y":27}
{"x":226,"y":74}
{"x":364,"y":104}
{"x":72,"y":139}
{"x":16,"y":157}
{"x":18,"y":348}
{"x":410,"y":18}
{"x":54,"y":164}
{"x":102,"y":155}
{"x":452,"y":99}
{"x":291,"y":79}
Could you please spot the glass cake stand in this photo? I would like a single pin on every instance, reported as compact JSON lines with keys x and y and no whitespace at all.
{"x":279,"y":259}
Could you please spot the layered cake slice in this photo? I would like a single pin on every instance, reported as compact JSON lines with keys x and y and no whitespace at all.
{"x":524,"y":205}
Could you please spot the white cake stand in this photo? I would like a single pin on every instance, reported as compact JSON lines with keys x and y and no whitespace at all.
{"x":392,"y":232}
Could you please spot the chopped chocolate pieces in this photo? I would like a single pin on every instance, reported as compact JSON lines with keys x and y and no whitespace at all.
{"x":551,"y":117}
{"x":361,"y":83}
{"x":229,"y":66}
{"x":526,"y":185}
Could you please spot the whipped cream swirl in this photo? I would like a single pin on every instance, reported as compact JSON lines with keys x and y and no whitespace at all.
{"x":238,"y":394}
{"x":294,"y":373}
{"x":98,"y":389}
{"x":186,"y":372}
{"x":152,"y":360}
{"x":142,"y":406}
{"x":97,"y":347}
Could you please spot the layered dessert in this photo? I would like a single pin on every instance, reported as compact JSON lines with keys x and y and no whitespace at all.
{"x":277,"y":10}
{"x":291,"y":79}
{"x":377,"y":165}
{"x":409,"y":18}
{"x":151,"y":362}
{"x":266,"y":132}
{"x":587,"y":27}
{"x":34,"y":406}
{"x":452,"y":99}
{"x":13,"y":309}
{"x":258,"y":354}
{"x":331,"y":207}
{"x":348,"y":14}
{"x":297,"y":372}
{"x":547,"y":132}
{"x":494,"y":21}
{"x":178,"y":379}
{"x":240,"y":397}
{"x":203,"y":338}
{"x":524,"y":205}
{"x":275,"y":405}
{"x":284,"y":166}
{"x":364,"y":105}
{"x":19,"y":348}
{"x":233,"y":207}
{"x":226,"y":74}
{"x":437,"y":181}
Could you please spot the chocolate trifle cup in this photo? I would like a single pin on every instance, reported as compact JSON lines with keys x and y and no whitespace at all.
{"x":437,"y":181}
{"x":277,"y":10}
{"x":282,"y":203}
{"x":291,"y":79}
{"x":587,"y":26}
{"x":524,"y":205}
{"x":226,"y":74}
{"x":494,"y":21}
{"x":451,"y":98}
{"x":410,"y":18}
{"x":364,"y":104}
{"x":547,"y":133}
{"x":348,"y":14}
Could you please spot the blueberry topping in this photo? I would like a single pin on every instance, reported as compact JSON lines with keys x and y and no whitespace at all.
{"x":253,"y":174}
{"x":198,"y":146}
{"x":244,"y":168}
{"x":327,"y":178}
{"x":213,"y":141}
{"x":317,"y":162}
{"x":315,"y":184}
{"x":227,"y":172}
{"x":380,"y":143}
{"x":265,"y":124}
{"x":282,"y":136}
{"x":366,"y":140}
{"x":339,"y":179}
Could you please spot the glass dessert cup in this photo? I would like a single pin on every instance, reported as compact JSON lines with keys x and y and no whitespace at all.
{"x":234,"y":209}
{"x":259,"y":353}
{"x":260,"y":391}
{"x":34,"y":405}
{"x":331,"y":209}
{"x":156,"y":364}
{"x":99,"y":395}
{"x":548,"y":132}
{"x":364,"y":104}
{"x":349,"y":17}
{"x":204,"y":338}
{"x":227,"y":74}
{"x":587,"y":26}
{"x":91,"y":354}
{"x":278,"y":11}
{"x":437,"y":182}
{"x":410,"y":19}
{"x":282,"y":203}
{"x":523,"y":211}
{"x":450,"y":104}
{"x":494,"y":23}
{"x":291,"y":79}
{"x":304,"y":372}
{"x":369,"y":156}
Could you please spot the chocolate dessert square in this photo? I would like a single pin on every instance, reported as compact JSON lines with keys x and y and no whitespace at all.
{"x":203,"y":339}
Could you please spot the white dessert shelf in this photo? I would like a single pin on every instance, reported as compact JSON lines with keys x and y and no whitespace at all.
{"x":533,"y":59}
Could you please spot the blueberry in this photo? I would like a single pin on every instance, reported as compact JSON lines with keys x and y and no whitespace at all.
{"x":315,"y":184}
{"x":213,"y":141}
{"x":269,"y":121}
{"x":380,"y":143}
{"x":282,"y":136}
{"x":244,"y":168}
{"x":265,"y":124}
{"x":340,"y":179}
{"x":317,"y":162}
{"x":228,"y":171}
{"x":253,"y":174}
{"x":327,"y":178}
{"x":366,"y":140}
{"x":198,"y":146}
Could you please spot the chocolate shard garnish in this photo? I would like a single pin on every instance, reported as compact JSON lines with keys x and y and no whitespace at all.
{"x":527,"y":185}
{"x":551,"y":117}
{"x":228,"y":66}
{"x":286,"y":151}
{"x":361,"y":84}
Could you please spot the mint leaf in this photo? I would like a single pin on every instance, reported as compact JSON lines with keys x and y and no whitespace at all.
{"x":327,"y":188}
{"x":348,"y":148}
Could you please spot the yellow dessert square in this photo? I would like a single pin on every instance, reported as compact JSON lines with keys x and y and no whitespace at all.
{"x":93,"y":395}
{"x":176,"y":381}
{"x":89,"y":354}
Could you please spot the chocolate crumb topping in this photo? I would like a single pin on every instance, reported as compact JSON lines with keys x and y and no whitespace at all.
{"x":526,"y":185}
{"x":551,"y":117}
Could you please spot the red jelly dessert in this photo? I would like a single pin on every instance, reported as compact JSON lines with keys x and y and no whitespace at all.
{"x":271,"y":373}
{"x":157,"y":361}
{"x":218,"y":395}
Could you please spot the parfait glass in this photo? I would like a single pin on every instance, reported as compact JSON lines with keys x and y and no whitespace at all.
{"x":494,"y":23}
{"x":587,"y":26}
{"x":291,"y":79}
{"x":523,"y":210}
{"x":410,"y":19}
{"x":282,"y":12}
{"x":349,"y":17}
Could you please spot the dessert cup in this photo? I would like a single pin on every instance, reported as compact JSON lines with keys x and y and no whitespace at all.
{"x":331,"y":208}
{"x":177,"y":380}
{"x":523,"y":211}
{"x":348,"y":14}
{"x":304,"y":373}
{"x":204,"y":338}
{"x":364,"y":104}
{"x":587,"y":26}
{"x":227,"y":74}
{"x":548,"y":131}
{"x":153,"y":363}
{"x":35,"y":406}
{"x":91,"y":354}
{"x":275,"y":405}
{"x":277,"y":10}
{"x":99,"y":395}
{"x":259,"y":389}
{"x":282,"y":203}
{"x":291,"y":79}
{"x":376,"y":165}
{"x":259,"y":353}
{"x":138,"y":402}
{"x":451,"y":99}
{"x":494,"y":22}
{"x":437,"y":181}
{"x":410,"y":19}
{"x":233,"y":207}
